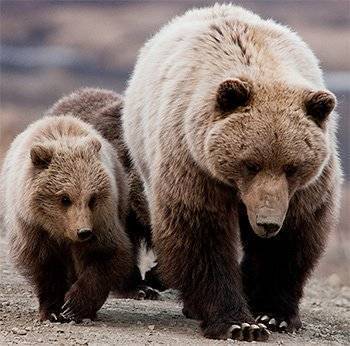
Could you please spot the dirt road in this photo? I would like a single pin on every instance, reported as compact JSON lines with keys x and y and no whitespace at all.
{"x":325,"y":313}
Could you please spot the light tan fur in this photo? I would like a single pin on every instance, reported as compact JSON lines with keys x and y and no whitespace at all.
{"x":200,"y":159}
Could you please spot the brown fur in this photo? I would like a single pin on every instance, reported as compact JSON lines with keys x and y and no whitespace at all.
{"x":102,"y":109}
{"x":230,"y":126}
{"x":60,"y":178}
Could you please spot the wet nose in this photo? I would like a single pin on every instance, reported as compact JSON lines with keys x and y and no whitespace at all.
{"x":269,"y":227}
{"x":84,"y":234}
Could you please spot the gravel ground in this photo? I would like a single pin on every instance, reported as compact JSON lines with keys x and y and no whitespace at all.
{"x":325,"y":312}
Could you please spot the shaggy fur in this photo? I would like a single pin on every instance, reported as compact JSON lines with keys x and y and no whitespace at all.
{"x":102,"y":109}
{"x":232,"y":131}
{"x":62,"y":183}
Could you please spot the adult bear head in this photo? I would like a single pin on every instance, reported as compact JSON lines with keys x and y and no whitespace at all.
{"x":267,"y":140}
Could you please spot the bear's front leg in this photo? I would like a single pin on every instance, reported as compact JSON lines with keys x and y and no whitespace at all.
{"x":90,"y":291}
{"x":275,"y":270}
{"x":197,"y":254}
{"x":51,"y":284}
{"x":44,"y":263}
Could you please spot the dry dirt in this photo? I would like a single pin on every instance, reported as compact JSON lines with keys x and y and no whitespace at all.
{"x":325,"y":313}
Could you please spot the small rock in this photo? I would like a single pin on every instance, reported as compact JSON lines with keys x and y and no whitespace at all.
{"x":18,"y":331}
{"x":81,"y":342}
{"x":87,"y":321}
{"x":40,"y":340}
{"x":334,"y":280}
{"x":151,"y":327}
{"x":28,"y":329}
{"x":345,"y":291}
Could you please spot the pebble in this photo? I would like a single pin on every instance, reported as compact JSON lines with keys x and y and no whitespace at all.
{"x":345,"y":291}
{"x":334,"y":280}
{"x":87,"y":321}
{"x":151,"y":327}
{"x":18,"y":331}
{"x":81,"y":342}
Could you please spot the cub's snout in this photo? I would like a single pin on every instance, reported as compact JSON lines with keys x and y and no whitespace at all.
{"x":85,"y":234}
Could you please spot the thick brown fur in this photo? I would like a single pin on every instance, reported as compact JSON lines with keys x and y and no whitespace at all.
{"x":61,"y":181}
{"x":233,"y":133}
{"x":102,"y":109}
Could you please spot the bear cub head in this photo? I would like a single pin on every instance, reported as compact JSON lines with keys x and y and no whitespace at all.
{"x":71,"y":186}
{"x":268,"y":140}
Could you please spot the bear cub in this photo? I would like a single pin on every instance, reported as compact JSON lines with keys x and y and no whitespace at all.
{"x":102,"y":109}
{"x":65,"y":198}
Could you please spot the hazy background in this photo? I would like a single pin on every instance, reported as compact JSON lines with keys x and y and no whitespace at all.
{"x":50,"y":48}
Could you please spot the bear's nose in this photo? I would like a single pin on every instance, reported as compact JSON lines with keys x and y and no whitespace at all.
{"x":269,"y":227}
{"x":84,"y":234}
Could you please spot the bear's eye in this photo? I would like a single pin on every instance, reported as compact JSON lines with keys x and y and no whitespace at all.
{"x":252,"y":167}
{"x":66,"y":201}
{"x":93,"y":201}
{"x":290,"y":170}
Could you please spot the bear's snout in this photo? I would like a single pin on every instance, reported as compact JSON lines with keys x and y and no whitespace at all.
{"x":270,"y":226}
{"x":269,"y":222}
{"x":85,"y":234}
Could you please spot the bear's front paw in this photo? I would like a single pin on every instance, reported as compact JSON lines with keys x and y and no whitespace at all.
{"x":279,"y":323}
{"x":49,"y":315}
{"x":76,"y":308}
{"x":142,"y":292}
{"x":237,"y":331}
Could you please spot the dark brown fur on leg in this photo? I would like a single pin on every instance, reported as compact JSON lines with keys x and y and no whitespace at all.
{"x":275,"y":270}
{"x":197,"y":254}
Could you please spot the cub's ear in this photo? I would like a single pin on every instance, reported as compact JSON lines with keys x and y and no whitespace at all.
{"x":41,"y":155}
{"x":233,"y":93}
{"x":94,"y":144}
{"x":319,"y":104}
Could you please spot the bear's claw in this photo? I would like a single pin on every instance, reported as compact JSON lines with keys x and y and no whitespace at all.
{"x":249,"y":332}
{"x":279,"y":324}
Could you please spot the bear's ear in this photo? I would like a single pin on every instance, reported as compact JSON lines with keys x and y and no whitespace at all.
{"x":41,"y":155}
{"x":233,"y":93}
{"x":319,"y":104}
{"x":95,"y":144}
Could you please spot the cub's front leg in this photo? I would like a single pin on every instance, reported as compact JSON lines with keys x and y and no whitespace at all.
{"x":94,"y":281}
{"x":44,"y":263}
{"x":197,"y":254}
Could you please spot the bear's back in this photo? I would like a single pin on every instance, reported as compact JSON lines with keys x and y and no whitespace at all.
{"x":188,"y":59}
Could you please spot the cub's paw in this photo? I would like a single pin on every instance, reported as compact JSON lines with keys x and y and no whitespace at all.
{"x":143,"y":292}
{"x":49,"y":315}
{"x":279,"y":324}
{"x":72,"y":310}
{"x":238,"y":331}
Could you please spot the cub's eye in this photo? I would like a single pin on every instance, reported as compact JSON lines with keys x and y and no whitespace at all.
{"x":66,"y":201}
{"x":93,"y":201}
{"x":290,"y":170}
{"x":252,"y":168}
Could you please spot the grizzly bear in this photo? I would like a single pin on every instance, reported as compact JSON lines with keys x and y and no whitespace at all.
{"x":102,"y":109}
{"x":65,"y":202}
{"x":232,"y":130}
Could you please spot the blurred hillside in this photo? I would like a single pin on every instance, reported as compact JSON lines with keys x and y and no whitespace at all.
{"x":49,"y":48}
